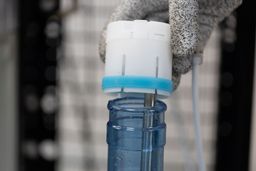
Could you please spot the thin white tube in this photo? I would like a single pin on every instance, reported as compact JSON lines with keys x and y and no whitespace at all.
{"x":196,"y":115}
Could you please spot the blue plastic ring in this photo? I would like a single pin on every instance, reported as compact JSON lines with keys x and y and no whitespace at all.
{"x":110,"y":82}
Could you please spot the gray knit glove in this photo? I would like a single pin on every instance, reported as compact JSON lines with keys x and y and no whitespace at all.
{"x":191,"y":22}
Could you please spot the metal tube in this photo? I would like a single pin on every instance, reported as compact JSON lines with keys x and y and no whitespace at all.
{"x":147,"y":136}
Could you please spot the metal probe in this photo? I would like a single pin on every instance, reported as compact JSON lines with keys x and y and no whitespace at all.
{"x":147,"y":136}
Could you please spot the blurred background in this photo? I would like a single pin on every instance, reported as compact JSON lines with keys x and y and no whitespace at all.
{"x":53,"y":112}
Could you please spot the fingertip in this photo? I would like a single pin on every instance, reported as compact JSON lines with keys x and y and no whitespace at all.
{"x":182,"y":64}
{"x":176,"y":77}
{"x":102,"y":45}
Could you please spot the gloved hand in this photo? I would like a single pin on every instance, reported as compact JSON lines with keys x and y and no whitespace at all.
{"x":191,"y":22}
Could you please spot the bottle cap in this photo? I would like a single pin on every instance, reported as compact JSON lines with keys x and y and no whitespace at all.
{"x":138,"y":58}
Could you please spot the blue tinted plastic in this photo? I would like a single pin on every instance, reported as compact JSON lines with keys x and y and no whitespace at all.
{"x":125,"y":132}
{"x":110,"y":82}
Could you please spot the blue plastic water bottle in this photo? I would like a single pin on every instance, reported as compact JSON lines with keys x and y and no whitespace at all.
{"x":125,"y":133}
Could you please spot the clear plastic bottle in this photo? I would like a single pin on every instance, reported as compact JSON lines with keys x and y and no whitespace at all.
{"x":126,"y":131}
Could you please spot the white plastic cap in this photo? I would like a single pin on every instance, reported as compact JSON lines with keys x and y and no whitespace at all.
{"x":138,"y":58}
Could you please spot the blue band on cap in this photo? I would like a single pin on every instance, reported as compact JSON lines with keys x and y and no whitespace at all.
{"x":110,"y":82}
